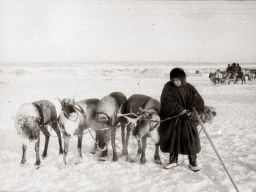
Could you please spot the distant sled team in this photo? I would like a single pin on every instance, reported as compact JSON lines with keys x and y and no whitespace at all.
{"x":138,"y":115}
{"x":233,"y":73}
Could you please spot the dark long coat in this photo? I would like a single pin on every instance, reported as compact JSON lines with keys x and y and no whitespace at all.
{"x":179,"y":135}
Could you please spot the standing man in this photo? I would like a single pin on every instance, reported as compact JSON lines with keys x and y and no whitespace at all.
{"x":179,"y":135}
{"x":238,"y":67}
{"x":228,"y":68}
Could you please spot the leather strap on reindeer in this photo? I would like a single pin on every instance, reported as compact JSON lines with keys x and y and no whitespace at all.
{"x":41,"y":120}
{"x":80,"y":109}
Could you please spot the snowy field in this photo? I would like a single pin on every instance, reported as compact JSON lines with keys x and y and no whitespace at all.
{"x":233,"y":131}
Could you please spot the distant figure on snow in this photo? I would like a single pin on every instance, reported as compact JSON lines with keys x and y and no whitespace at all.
{"x":238,"y":67}
{"x":233,"y":67}
{"x":228,"y":68}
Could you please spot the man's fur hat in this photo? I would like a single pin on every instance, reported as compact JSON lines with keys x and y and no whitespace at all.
{"x":178,"y":73}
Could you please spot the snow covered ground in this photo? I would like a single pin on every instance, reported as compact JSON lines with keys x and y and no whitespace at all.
{"x":233,"y":131}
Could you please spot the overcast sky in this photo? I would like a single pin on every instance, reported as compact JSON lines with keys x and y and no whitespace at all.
{"x":80,"y":31}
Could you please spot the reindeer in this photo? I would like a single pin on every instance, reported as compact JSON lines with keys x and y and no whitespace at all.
{"x":240,"y":75}
{"x":107,"y":114}
{"x":30,"y":119}
{"x":74,"y":119}
{"x":142,"y":114}
{"x":219,"y":77}
{"x":248,"y":73}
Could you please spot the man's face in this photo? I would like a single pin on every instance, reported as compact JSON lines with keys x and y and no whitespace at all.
{"x":176,"y":82}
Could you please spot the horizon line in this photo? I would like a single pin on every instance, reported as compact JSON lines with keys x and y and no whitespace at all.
{"x":127,"y":61}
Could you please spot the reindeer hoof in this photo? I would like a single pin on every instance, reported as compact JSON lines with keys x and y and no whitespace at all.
{"x":143,"y":160}
{"x":133,"y":158}
{"x":158,"y":161}
{"x":115,"y":158}
{"x":61,"y":152}
{"x":22,"y":164}
{"x":37,"y":164}
{"x":124,"y":152}
{"x":102,"y":158}
{"x":62,"y":165}
{"x":44,"y":155}
{"x":78,"y":161}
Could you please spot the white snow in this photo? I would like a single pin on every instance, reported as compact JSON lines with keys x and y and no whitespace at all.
{"x":233,"y":131}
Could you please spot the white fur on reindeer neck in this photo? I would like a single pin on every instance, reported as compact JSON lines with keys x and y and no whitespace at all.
{"x":154,"y":134}
{"x":70,"y":125}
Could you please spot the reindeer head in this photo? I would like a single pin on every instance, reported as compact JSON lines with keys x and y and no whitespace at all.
{"x":69,"y":117}
{"x":208,"y":114}
{"x":68,"y":108}
{"x":28,"y":127}
{"x":148,"y":122}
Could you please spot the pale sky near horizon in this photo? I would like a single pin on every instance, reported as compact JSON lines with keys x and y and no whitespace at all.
{"x":83,"y":30}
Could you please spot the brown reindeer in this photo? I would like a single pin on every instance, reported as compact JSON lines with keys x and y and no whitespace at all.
{"x":107,"y":114}
{"x":142,"y":114}
{"x":240,"y":75}
{"x":30,"y":119}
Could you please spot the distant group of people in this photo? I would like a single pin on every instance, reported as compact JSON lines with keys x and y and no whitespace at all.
{"x":234,"y":67}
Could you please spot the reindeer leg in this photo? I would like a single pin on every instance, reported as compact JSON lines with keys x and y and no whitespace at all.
{"x":113,"y":143}
{"x":128,"y":131}
{"x":136,"y":156}
{"x":124,"y":152}
{"x":37,"y":151}
{"x":144,"y":144}
{"x":79,"y":147}
{"x":57,"y":130}
{"x":94,"y":149}
{"x":66,"y":144}
{"x":104,"y":153}
{"x":23,"y":159}
{"x":47,"y":137}
{"x":157,"y":158}
{"x":139,"y":146}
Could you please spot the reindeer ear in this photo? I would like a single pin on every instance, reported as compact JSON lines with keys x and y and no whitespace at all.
{"x":74,"y":98}
{"x":119,"y":111}
{"x":60,"y":100}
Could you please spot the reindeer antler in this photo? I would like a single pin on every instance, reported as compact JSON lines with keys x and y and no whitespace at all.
{"x":129,"y":118}
{"x":146,"y":111}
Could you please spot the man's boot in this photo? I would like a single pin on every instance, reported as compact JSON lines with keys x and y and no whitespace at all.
{"x":192,"y":163}
{"x":173,"y":161}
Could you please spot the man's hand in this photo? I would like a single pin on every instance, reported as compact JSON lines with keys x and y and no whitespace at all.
{"x":185,"y":114}
{"x":189,"y":113}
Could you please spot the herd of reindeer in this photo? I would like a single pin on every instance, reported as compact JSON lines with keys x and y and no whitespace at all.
{"x":137,"y":115}
{"x":225,"y":77}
